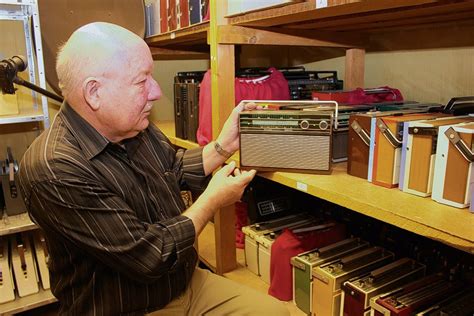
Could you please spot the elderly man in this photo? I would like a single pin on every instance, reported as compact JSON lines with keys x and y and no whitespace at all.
{"x":104,"y":185}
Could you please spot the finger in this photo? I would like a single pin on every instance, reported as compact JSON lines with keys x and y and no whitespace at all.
{"x":247,"y":176}
{"x":250,"y":106}
{"x":237,"y":172}
{"x":228,"y":169}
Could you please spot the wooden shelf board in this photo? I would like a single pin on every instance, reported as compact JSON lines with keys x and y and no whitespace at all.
{"x":174,"y":54}
{"x":25,"y":115}
{"x":21,"y":304}
{"x":346,"y":15}
{"x":167,"y":127}
{"x":419,"y":215}
{"x":196,"y":33}
{"x":15,"y":224}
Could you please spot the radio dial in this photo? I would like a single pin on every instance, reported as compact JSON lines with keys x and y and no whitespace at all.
{"x":323,"y":125}
{"x":304,"y":124}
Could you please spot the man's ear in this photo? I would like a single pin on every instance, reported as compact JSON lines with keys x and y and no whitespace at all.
{"x":90,"y":90}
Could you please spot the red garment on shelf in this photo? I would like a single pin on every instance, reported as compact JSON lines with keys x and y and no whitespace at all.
{"x":359,"y":96}
{"x":270,"y":87}
{"x":288,"y":245}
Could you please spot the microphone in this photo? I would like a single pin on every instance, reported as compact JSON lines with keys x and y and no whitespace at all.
{"x":8,"y":71}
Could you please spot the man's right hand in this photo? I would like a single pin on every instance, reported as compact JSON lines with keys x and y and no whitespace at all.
{"x":227,"y":185}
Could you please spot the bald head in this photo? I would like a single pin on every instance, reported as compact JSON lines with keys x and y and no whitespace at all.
{"x":88,"y":52}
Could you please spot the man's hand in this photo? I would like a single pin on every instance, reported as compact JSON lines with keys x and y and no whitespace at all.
{"x":229,"y":136}
{"x":227,"y":185}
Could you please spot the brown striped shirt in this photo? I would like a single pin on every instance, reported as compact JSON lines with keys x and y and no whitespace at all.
{"x":112,"y":216}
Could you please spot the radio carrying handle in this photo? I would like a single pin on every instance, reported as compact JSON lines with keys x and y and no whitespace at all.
{"x":459,"y":144}
{"x":449,"y":107}
{"x":392,"y":139}
{"x":364,"y":136}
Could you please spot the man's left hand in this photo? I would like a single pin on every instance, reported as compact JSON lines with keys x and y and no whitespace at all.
{"x":229,"y":135}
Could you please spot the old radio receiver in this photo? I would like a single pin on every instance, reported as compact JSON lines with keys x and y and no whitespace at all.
{"x":286,"y":140}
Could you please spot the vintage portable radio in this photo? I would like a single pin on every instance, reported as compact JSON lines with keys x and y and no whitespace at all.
{"x":357,"y":292}
{"x":328,"y":277}
{"x":23,"y":265}
{"x":388,"y":135}
{"x":453,"y":168}
{"x":42,"y":257}
{"x":302,"y":83}
{"x":204,"y":9}
{"x":13,"y":198}
{"x":459,"y":304}
{"x":258,"y":229}
{"x":186,"y":104}
{"x":172,"y":16}
{"x":7,"y":293}
{"x":340,"y":125}
{"x":415,"y":296}
{"x":194,"y":11}
{"x":419,"y":153}
{"x":361,"y":140}
{"x":265,"y":243}
{"x":182,"y":12}
{"x":286,"y":140}
{"x":304,"y":263}
{"x":164,"y":16}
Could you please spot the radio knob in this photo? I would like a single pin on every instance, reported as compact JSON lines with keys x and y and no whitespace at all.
{"x":304,"y":124}
{"x":323,"y":125}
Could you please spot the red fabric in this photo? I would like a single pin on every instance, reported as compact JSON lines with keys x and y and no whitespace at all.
{"x":358,"y":96}
{"x":204,"y":131}
{"x":288,"y":245}
{"x":271,"y":87}
{"x":240,"y":221}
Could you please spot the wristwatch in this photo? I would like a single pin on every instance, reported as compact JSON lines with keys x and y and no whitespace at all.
{"x":221,"y":151}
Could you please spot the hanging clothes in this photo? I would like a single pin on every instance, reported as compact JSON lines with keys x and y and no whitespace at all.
{"x":269,"y":87}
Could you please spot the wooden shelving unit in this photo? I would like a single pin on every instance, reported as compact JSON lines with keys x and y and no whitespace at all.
{"x":16,"y":224}
{"x":422,"y":216}
{"x":21,"y":304}
{"x":356,"y":26}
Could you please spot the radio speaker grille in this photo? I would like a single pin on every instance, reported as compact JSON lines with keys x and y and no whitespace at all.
{"x":285,"y":151}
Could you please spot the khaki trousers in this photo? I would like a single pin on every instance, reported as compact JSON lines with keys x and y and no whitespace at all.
{"x":210,"y":294}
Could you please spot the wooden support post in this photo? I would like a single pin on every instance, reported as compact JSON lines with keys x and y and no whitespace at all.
{"x":223,"y":99}
{"x":354,"y":74}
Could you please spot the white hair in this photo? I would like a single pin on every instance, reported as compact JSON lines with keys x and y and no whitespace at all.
{"x":87,"y":52}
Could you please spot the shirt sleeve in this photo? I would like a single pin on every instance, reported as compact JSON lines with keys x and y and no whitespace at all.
{"x":102,"y":224}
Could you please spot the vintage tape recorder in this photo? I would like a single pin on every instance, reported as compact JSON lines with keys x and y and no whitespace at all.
{"x":186,"y":104}
{"x":329,"y":277}
{"x":304,"y":263}
{"x":24,"y":267}
{"x":415,"y":296}
{"x":266,"y":241}
{"x":358,"y":291}
{"x":286,"y":140}
{"x":7,"y":292}
{"x":388,"y":147}
{"x":453,"y":175}
{"x":459,"y":304}
{"x":361,"y":139}
{"x":419,"y":153}
{"x":251,"y":233}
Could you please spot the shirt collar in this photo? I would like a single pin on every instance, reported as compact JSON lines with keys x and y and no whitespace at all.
{"x":90,"y":140}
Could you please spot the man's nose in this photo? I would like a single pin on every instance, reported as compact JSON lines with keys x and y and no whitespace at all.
{"x":155,"y":91}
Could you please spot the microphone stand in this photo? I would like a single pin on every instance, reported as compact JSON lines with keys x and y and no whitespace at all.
{"x":33,"y":87}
